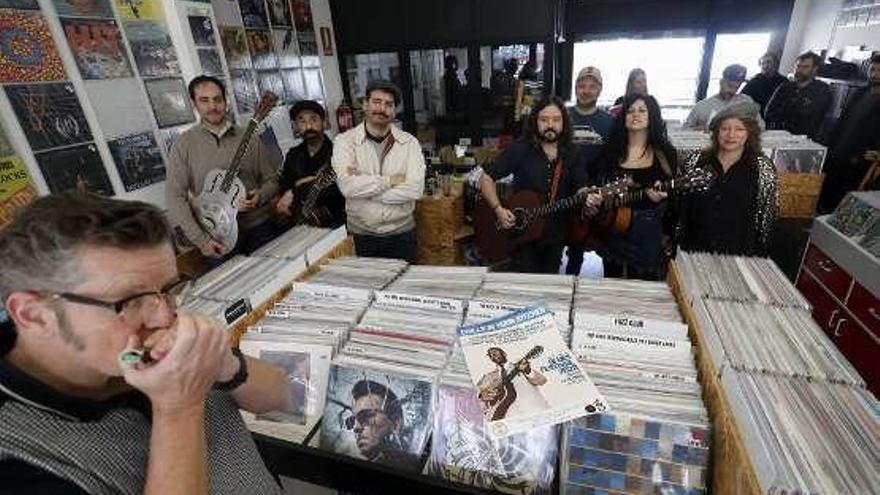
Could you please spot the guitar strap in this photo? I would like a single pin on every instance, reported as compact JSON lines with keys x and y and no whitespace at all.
{"x":557,"y":174}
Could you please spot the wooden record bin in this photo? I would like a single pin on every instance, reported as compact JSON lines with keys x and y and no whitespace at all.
{"x":732,"y":471}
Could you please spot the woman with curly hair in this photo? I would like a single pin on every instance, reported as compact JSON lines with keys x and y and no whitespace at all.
{"x":736,"y":214}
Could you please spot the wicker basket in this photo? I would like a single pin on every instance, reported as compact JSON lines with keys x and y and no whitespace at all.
{"x":798,"y":194}
{"x":438,"y":222}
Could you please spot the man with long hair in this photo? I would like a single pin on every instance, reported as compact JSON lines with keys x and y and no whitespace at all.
{"x":545,"y":161}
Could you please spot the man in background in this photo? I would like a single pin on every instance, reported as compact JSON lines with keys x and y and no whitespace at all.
{"x":799,"y":106}
{"x":762,"y":86}
{"x":731,"y":80}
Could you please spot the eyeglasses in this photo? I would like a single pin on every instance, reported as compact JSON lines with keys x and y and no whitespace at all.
{"x":133,"y":307}
{"x":363,"y":417}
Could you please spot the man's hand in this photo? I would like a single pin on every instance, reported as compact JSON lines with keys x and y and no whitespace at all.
{"x":872,"y":155}
{"x":250,"y":201}
{"x":654,"y":193}
{"x":212,"y":248}
{"x":591,"y":205}
{"x":182,"y":377}
{"x":524,"y":367}
{"x":397,"y":179}
{"x":506,"y":218}
{"x":490,"y":394}
{"x":284,"y":202}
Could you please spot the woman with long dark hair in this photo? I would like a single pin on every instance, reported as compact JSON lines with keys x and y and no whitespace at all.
{"x":638,"y":147}
{"x":736,"y":214}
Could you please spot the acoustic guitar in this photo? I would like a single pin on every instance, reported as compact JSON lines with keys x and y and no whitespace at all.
{"x":529,"y":209}
{"x":504,"y":391}
{"x":309,"y":212}
{"x":216,"y":207}
{"x":617,"y":217}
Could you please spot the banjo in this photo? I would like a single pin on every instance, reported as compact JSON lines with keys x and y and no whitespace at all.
{"x":216,"y":207}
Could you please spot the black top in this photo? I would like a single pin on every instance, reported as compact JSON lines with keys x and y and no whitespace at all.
{"x":15,"y":385}
{"x":798,"y":110}
{"x":643,"y":178}
{"x":761,"y":88}
{"x":858,"y":129}
{"x":721,"y":219}
{"x":299,"y":164}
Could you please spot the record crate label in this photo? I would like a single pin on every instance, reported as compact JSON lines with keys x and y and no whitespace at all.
{"x":632,"y":324}
{"x":426,"y":303}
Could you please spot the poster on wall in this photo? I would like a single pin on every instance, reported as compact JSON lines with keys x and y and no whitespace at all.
{"x":261,"y":49}
{"x":202,"y":30}
{"x":270,"y":80}
{"x":170,"y":101}
{"x":152,"y":49}
{"x":253,"y":13}
{"x":84,"y":8}
{"x":20,"y":4}
{"x":140,"y":10}
{"x":244,"y":86}
{"x":209,"y":58}
{"x":235,"y":48}
{"x":138,"y":160}
{"x":77,"y":168}
{"x":305,"y":27}
{"x":279,"y":13}
{"x":27,"y":52}
{"x":16,"y":188}
{"x":49,"y":114}
{"x":285,"y":45}
{"x":97,"y":48}
{"x":294,"y":86}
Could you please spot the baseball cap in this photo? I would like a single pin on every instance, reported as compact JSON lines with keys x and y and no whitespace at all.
{"x":303,"y":105}
{"x":734,"y":73}
{"x":590,"y":71}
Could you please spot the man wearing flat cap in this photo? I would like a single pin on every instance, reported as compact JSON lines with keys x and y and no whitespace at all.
{"x":732,"y":79}
{"x":309,"y":193}
{"x":799,"y":106}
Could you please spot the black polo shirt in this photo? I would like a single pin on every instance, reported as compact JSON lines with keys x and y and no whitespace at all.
{"x":15,"y":385}
{"x":532,"y":170}
{"x":722,"y":219}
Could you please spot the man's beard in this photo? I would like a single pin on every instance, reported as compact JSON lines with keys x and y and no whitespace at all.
{"x":311,"y":136}
{"x":549,"y":136}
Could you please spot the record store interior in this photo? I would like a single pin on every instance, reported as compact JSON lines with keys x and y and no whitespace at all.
{"x":523,"y":247}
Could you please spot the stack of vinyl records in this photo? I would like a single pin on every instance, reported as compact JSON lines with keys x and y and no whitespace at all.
{"x":807,"y":437}
{"x":767,"y":339}
{"x":629,"y":338}
{"x":292,"y":244}
{"x":214,"y":309}
{"x":254,"y":280}
{"x":737,"y":278}
{"x":457,"y":282}
{"x":301,"y":334}
{"x":517,"y":290}
{"x":361,"y":273}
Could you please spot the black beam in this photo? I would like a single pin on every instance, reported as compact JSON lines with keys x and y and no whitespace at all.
{"x":474,"y":94}
{"x":406,"y":87}
{"x":706,"y":64}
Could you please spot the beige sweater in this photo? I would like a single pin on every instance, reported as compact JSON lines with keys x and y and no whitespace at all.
{"x":195,"y":153}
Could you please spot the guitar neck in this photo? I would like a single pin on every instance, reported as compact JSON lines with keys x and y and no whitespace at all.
{"x":632,"y":196}
{"x":235,"y":165}
{"x":326,"y":176}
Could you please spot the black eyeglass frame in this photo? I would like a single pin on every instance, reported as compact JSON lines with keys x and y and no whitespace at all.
{"x":118,"y":306}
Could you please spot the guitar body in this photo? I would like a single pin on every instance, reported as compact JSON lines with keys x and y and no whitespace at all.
{"x":217,"y":211}
{"x":496,"y":244}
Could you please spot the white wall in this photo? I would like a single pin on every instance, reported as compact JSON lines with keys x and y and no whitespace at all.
{"x":329,"y":64}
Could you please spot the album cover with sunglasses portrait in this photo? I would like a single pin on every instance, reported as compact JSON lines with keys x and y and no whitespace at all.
{"x":377,"y":416}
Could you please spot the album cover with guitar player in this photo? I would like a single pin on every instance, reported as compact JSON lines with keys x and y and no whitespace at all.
{"x":525,"y":375}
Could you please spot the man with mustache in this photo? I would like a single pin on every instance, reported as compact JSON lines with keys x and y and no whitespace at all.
{"x":800,"y":106}
{"x":211,"y":144}
{"x":545,"y":161}
{"x":381,"y":172}
{"x":304,"y":164}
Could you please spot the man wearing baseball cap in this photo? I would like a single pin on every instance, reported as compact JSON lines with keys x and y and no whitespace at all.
{"x":306,"y":167}
{"x":732,"y":79}
{"x":591,"y":127}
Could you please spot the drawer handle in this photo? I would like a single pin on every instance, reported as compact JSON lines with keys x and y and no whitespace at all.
{"x":873,"y":312}
{"x":837,"y":331}
{"x":831,"y":318}
{"x":824,"y":266}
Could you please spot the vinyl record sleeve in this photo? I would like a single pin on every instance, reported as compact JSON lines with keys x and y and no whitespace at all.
{"x":170,"y":101}
{"x":152,"y":49}
{"x":27,"y":52}
{"x":261,"y":48}
{"x":97,"y":48}
{"x":84,"y":8}
{"x":279,"y":13}
{"x":235,"y":48}
{"x":140,"y":9}
{"x":244,"y":86}
{"x":75,"y":168}
{"x":49,"y":114}
{"x":138,"y":160}
{"x":209,"y":59}
{"x":202,"y":30}
{"x":253,"y":13}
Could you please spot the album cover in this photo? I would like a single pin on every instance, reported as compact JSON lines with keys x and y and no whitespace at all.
{"x":302,"y":16}
{"x":235,"y":48}
{"x":279,"y":13}
{"x":253,"y":13}
{"x":285,"y":45}
{"x":75,"y":168}
{"x":20,"y":4}
{"x":799,"y":160}
{"x":97,"y":48}
{"x":16,"y":188}
{"x":5,"y":146}
{"x":209,"y":58}
{"x":170,"y":101}
{"x":27,"y":52}
{"x":138,"y":160}
{"x":308,"y":44}
{"x":84,"y":8}
{"x":202,"y":30}
{"x":261,"y":49}
{"x":152,"y":49}
{"x":50,"y":114}
{"x":313,"y":84}
{"x":270,"y":80}
{"x":294,"y":87}
{"x":244,"y":86}
{"x":463,"y":452}
{"x":377,"y":416}
{"x":140,"y":9}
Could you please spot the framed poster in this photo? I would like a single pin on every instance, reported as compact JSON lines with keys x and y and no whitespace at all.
{"x":261,"y":49}
{"x":209,"y":59}
{"x":170,"y":101}
{"x":27,"y":52}
{"x":244,"y":86}
{"x":152,"y":49}
{"x":253,"y":13}
{"x":76,"y":168}
{"x":138,"y":160}
{"x":49,"y":114}
{"x":279,"y":13}
{"x":202,"y":30}
{"x":97,"y":48}
{"x":235,"y":48}
{"x":84,"y":8}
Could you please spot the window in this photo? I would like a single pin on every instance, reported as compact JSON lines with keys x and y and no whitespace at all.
{"x":743,"y":48}
{"x":368,"y":67}
{"x":671,"y":63}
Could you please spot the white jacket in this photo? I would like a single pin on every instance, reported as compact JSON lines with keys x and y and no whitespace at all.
{"x":374,"y":207}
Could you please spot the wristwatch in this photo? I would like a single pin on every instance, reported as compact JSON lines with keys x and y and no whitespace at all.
{"x":239,"y":377}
